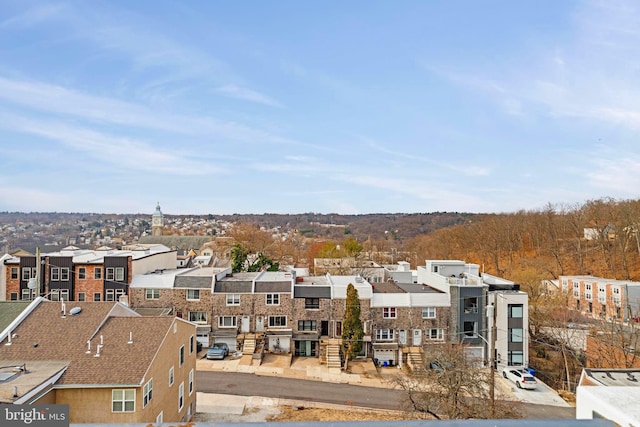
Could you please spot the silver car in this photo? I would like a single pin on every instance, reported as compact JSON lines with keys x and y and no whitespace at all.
{"x":218,"y":351}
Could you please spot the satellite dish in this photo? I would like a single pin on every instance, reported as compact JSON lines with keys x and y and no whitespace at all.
{"x":31,"y":284}
{"x":75,"y":310}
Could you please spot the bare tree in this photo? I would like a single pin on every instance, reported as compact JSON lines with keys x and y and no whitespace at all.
{"x":449,"y":386}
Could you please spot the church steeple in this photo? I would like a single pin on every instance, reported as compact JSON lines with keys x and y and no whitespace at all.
{"x":157,"y":221}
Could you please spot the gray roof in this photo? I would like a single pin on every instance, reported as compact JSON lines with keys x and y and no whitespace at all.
{"x":9,"y":310}
{"x":193,"y":282}
{"x":418,"y":288}
{"x":268,"y":287}
{"x":306,"y":291}
{"x":235,"y":286}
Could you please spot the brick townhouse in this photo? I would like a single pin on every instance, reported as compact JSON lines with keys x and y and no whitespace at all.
{"x":599,"y":297}
{"x":74,"y":274}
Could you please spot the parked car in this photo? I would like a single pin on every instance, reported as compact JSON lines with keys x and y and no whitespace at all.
{"x":218,"y":351}
{"x":522,"y":378}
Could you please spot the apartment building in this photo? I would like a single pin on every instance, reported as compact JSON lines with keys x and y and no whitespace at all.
{"x":109,"y":364}
{"x":74,"y":274}
{"x":599,"y":297}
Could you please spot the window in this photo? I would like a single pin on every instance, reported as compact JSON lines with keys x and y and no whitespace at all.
{"x":55,"y":274}
{"x":120,"y":274}
{"x":515,"y":311}
{"x":181,"y":355}
{"x":277,"y":321}
{"x":273,"y":299}
{"x":181,"y":396}
{"x":170,"y":376}
{"x":471,"y":305}
{"x":389,"y":312}
{"x":435,"y":334}
{"x":193,"y":294}
{"x":384,"y":334}
{"x":428,"y":312}
{"x":515,"y":358}
{"x":312,"y":303}
{"x":233,"y":299}
{"x":110,"y":273}
{"x":97,"y":273}
{"x":123,"y":400}
{"x":26,"y":273}
{"x":26,"y":294}
{"x":82,"y":296}
{"x":515,"y":334}
{"x":110,"y":295}
{"x":147,"y":392}
{"x":82,"y":273}
{"x":152,"y":293}
{"x":470,"y":329}
{"x":14,"y":273}
{"x":307,"y":325}
{"x":190,"y":382}
{"x":198,"y":316}
{"x":64,"y":274}
{"x":58,"y":294}
{"x":97,"y":296}
{"x":14,"y":296}
{"x":192,"y":344}
{"x":227,"y":322}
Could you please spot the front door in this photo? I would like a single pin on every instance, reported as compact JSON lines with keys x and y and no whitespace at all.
{"x":244,"y":326}
{"x":259,"y":323}
{"x":417,"y":337}
{"x":324,"y":328}
{"x":402,"y":337}
{"x":338,"y":328}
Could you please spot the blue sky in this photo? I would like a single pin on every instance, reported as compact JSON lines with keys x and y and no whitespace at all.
{"x":306,"y":106}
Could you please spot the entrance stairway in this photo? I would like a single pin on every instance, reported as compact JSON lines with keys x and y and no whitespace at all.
{"x":333,"y":355}
{"x":415,"y":358}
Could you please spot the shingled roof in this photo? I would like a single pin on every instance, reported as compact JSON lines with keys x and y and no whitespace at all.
{"x":46,"y":335}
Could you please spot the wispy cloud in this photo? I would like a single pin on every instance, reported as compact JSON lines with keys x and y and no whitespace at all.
{"x":245,"y":94}
{"x":119,"y":152}
{"x":465,"y":168}
{"x":33,"y":16}
{"x":61,"y":101}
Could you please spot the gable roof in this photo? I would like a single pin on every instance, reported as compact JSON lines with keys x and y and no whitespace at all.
{"x":46,"y":335}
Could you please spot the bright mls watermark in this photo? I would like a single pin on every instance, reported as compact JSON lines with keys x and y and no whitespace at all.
{"x":34,"y":415}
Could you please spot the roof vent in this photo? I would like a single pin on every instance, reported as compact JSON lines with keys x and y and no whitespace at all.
{"x":75,"y":310}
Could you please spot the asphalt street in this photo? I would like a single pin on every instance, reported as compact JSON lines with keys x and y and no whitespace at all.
{"x":344,"y":394}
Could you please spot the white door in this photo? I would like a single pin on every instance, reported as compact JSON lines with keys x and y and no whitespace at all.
{"x":244,"y":326}
{"x":402,"y":337}
{"x":417,"y":337}
{"x":259,"y":323}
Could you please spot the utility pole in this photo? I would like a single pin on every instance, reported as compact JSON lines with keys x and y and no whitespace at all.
{"x":492,"y":358}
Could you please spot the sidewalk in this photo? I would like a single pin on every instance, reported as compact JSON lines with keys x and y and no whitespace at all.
{"x":361,"y":372}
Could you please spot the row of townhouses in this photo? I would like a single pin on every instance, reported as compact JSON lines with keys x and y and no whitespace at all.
{"x":602,"y":298}
{"x":292,"y":311}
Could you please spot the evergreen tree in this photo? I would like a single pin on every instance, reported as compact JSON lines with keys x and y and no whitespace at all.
{"x":352,"y":330}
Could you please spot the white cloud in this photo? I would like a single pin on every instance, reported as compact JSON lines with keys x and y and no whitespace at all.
{"x":237,"y":92}
{"x":120,"y":152}
{"x":33,"y":16}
